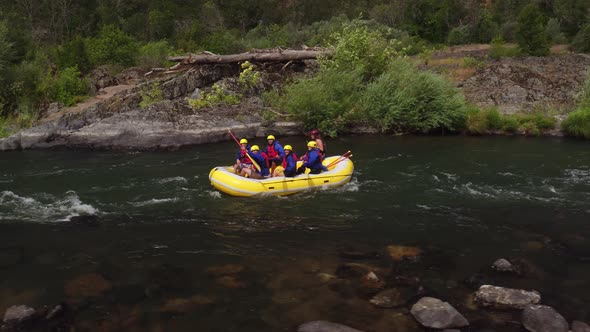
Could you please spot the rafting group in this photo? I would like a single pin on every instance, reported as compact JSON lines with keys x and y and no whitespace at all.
{"x":277,"y":160}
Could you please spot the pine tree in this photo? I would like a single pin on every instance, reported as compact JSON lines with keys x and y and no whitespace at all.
{"x":531,"y":34}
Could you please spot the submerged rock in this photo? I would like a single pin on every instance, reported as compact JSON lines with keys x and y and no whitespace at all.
{"x":371,"y":281}
{"x":500,"y":297}
{"x":578,"y":326}
{"x":434,"y":313}
{"x":503,"y":265}
{"x":399,"y":253}
{"x":353,"y":270}
{"x":17,"y":315}
{"x":232,"y":282}
{"x":542,"y":318}
{"x":87,"y":285}
{"x":390,"y":298}
{"x":184,"y":305}
{"x":324,"y":326}
{"x":225,"y":269}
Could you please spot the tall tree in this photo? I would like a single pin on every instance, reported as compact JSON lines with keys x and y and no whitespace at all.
{"x":531,"y":34}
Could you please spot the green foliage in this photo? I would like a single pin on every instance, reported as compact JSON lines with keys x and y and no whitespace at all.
{"x":473,"y":62}
{"x":476,"y":121}
{"x":6,"y":51}
{"x":150,"y":94}
{"x":217,"y":96}
{"x":460,"y":35}
{"x":112,"y":46}
{"x":577,"y":123}
{"x":583,"y":97}
{"x":73,"y":54}
{"x":154,"y":54}
{"x":553,"y":32}
{"x":499,"y":49}
{"x":486,"y":28}
{"x":248,"y":77}
{"x":531,"y":34}
{"x":359,"y":47}
{"x":406,"y":99}
{"x":510,"y":124}
{"x":581,"y":42}
{"x":494,"y":119}
{"x":222,"y":42}
{"x":481,"y":121}
{"x":68,"y":87}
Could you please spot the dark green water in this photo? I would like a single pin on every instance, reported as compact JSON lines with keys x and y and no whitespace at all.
{"x":156,"y":226}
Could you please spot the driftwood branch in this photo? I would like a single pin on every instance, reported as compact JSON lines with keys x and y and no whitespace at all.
{"x":252,"y":56}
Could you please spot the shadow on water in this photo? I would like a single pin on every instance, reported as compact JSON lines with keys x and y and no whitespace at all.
{"x":142,"y":242}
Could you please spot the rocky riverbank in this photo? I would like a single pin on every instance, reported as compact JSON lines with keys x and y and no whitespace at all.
{"x":118,"y":121}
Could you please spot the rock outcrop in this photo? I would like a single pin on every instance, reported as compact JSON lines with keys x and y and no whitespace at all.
{"x":542,"y":318}
{"x":434,"y":313}
{"x":505,"y":298}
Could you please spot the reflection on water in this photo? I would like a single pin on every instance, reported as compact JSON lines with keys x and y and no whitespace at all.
{"x":142,"y":242}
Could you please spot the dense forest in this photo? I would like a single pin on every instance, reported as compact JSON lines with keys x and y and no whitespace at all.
{"x":48,"y":47}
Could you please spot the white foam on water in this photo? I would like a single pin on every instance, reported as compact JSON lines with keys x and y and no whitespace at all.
{"x":214,"y":194}
{"x":174,"y":179}
{"x":435,"y":178}
{"x":424,"y":207}
{"x":154,"y":201}
{"x":25,"y":208}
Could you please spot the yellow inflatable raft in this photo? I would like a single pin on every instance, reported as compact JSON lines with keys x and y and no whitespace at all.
{"x":224,"y":180}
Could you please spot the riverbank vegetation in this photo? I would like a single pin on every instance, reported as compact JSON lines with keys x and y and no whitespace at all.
{"x":578,"y":122}
{"x":49,"y":49}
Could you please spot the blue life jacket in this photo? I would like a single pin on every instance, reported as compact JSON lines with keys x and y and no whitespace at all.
{"x":261,"y":161}
{"x":314,"y":159}
{"x":290,"y":162}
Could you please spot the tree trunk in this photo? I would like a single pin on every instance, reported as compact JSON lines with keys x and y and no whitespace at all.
{"x":253,"y":56}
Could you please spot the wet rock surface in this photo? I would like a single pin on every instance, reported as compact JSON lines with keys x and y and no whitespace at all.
{"x":503,"y":265}
{"x":578,"y":326}
{"x":324,"y":326}
{"x":392,"y":297}
{"x":542,"y":318}
{"x":18,"y":314}
{"x":434,"y":313}
{"x":508,"y":298}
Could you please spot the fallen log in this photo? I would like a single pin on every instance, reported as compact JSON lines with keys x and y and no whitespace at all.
{"x":252,"y":56}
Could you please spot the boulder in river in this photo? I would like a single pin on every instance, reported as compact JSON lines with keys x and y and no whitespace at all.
{"x":434,"y":313}
{"x":400,"y":253}
{"x":505,"y":298}
{"x":324,"y":326}
{"x":542,"y":318}
{"x":18,"y":314}
{"x":391,"y":298}
{"x":578,"y":326}
{"x":503,"y":265}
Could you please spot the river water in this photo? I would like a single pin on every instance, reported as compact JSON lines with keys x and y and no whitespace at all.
{"x":140,"y":241}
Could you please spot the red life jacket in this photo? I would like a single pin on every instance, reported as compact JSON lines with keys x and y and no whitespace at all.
{"x":271,"y":152}
{"x":244,"y":159}
{"x":285,"y":160}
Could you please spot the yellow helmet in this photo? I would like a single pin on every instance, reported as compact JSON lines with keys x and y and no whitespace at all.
{"x":255,"y":148}
{"x":288,"y":147}
{"x":269,"y":137}
{"x":312,"y":144}
{"x":243,"y":141}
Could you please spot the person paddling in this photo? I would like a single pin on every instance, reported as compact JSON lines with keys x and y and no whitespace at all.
{"x":316,"y":136}
{"x":312,"y":160}
{"x":274,"y":152}
{"x":260,"y":159}
{"x":242,"y":159}
{"x":289,"y":164}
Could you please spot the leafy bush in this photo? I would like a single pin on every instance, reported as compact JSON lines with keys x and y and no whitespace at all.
{"x":486,"y":28}
{"x":460,"y":35}
{"x":73,"y":54}
{"x":112,"y":46}
{"x":583,"y":96}
{"x":222,"y":42}
{"x":406,"y":99}
{"x":553,"y":32}
{"x":499,"y":49}
{"x":68,"y":87}
{"x":154,"y":54}
{"x":476,"y":121}
{"x":494,"y":118}
{"x":217,"y":96}
{"x":473,"y":62}
{"x":577,"y":123}
{"x":6,"y":50}
{"x":510,"y":124}
{"x":531,"y":34}
{"x":150,"y":94}
{"x":581,"y":42}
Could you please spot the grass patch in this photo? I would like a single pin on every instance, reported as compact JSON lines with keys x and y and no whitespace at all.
{"x":577,"y":123}
{"x":480,"y":122}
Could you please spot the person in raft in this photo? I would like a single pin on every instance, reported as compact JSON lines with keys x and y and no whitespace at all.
{"x":312,"y":160}
{"x":316,"y":136}
{"x":260,"y":159}
{"x":274,"y":152}
{"x":242,"y":159}
{"x":289,"y":164}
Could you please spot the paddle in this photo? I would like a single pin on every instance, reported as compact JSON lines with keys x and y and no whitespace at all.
{"x":343,"y":159}
{"x":339,"y":159}
{"x":247,"y":154}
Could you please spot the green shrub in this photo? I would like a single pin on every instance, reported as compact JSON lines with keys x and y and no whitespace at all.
{"x":150,"y":94}
{"x":68,"y":87}
{"x":248,"y":77}
{"x":406,"y":99}
{"x":460,"y":35}
{"x":510,"y":124}
{"x":217,"y":96}
{"x":486,"y":28}
{"x":499,"y":49}
{"x":154,"y":54}
{"x":74,"y":54}
{"x":583,"y":96}
{"x":577,"y":123}
{"x":6,"y":48}
{"x":531,"y":34}
{"x":581,"y":42}
{"x":223,"y":42}
{"x":112,"y":46}
{"x":553,"y":32}
{"x":473,"y":62}
{"x":476,"y":121}
{"x":494,"y":118}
